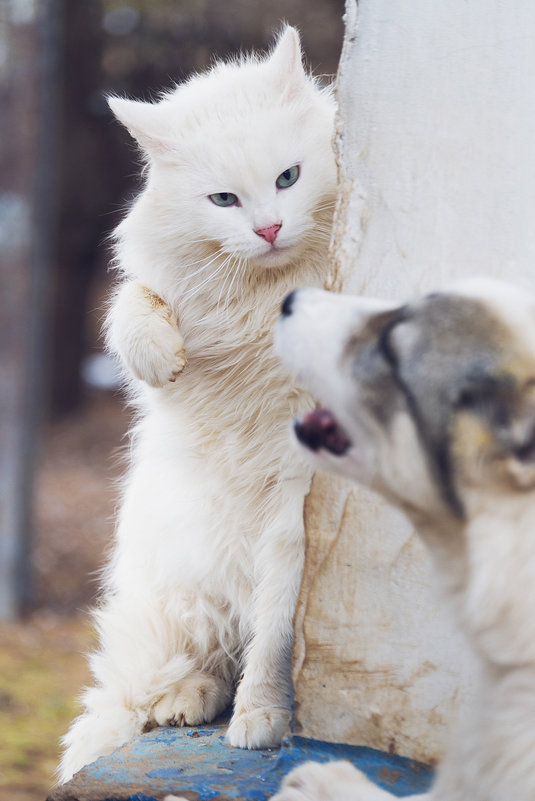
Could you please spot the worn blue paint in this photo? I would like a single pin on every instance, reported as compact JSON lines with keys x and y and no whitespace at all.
{"x":199,"y":764}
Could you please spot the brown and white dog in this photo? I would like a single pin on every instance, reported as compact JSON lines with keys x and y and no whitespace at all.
{"x":432,"y":405}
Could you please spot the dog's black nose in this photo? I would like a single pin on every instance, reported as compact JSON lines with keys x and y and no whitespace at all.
{"x":287,"y":304}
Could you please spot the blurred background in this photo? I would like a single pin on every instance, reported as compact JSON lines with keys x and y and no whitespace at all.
{"x":66,"y":171}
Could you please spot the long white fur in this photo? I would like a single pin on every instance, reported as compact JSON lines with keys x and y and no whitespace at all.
{"x":485,"y":565}
{"x":209,"y":547}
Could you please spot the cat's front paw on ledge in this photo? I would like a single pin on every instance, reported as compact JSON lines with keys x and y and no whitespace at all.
{"x":258,"y":728}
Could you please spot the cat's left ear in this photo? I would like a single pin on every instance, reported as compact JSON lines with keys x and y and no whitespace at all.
{"x":143,"y":121}
{"x":286,"y":63}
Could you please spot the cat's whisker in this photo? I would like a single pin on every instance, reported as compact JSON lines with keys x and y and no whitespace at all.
{"x":196,"y":289}
{"x":326,"y":207}
{"x":212,"y":258}
{"x":321,"y":230}
{"x":320,"y":236}
{"x":320,"y":222}
{"x":242,"y":269}
{"x":222,"y":266}
{"x":226,"y":293}
{"x":202,"y":240}
{"x":236,"y":273}
{"x":223,"y":292}
{"x":203,"y":258}
{"x":231,"y":262}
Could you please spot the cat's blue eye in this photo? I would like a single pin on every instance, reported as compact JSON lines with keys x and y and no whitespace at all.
{"x":224,"y":199}
{"x":288,"y":177}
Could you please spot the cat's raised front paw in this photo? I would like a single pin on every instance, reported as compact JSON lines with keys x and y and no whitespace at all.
{"x":332,"y":781}
{"x":164,"y":357}
{"x":143,"y":331}
{"x":258,"y":728}
{"x":162,"y":369}
{"x":197,"y":699}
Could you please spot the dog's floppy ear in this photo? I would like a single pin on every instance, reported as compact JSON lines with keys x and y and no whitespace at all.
{"x":520,"y":461}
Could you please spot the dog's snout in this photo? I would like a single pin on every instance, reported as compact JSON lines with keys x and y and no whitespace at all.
{"x":320,"y":429}
{"x":287,"y":304}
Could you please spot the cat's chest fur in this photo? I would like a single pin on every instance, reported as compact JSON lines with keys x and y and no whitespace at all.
{"x":230,"y":343}
{"x":233,"y":378}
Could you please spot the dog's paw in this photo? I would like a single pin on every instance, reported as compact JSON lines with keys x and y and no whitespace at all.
{"x":197,"y":699}
{"x":258,"y":728}
{"x":332,"y":781}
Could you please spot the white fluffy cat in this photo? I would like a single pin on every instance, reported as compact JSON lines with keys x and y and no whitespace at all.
{"x":236,"y":210}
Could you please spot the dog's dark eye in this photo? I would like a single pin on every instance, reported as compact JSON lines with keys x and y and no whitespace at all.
{"x":479,"y":400}
{"x":468,"y":399}
{"x":526,"y":451}
{"x":489,"y":398}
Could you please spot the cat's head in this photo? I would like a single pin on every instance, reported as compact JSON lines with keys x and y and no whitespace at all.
{"x":240,"y":156}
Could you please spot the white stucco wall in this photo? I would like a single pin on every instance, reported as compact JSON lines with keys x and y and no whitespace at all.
{"x":436,"y":144}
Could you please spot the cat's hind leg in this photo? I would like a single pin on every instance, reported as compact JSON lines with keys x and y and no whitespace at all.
{"x":134,"y":667}
{"x":198,"y":698}
{"x":147,"y":672}
{"x":263,"y":698}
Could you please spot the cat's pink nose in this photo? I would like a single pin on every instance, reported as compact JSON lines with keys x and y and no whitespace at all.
{"x":269,"y":233}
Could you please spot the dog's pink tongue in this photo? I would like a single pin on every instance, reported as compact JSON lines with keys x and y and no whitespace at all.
{"x":320,"y":429}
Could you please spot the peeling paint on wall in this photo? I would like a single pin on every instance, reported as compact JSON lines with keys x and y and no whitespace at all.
{"x":374,"y":663}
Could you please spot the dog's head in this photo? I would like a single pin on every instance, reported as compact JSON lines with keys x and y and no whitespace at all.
{"x":431,"y":403}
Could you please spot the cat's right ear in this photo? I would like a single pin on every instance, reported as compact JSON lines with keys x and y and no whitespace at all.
{"x":286,"y":62}
{"x":143,"y":122}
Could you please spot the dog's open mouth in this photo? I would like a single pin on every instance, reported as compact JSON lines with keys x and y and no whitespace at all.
{"x":320,"y":429}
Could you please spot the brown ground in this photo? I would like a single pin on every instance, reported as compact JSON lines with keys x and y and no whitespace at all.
{"x":42,"y":667}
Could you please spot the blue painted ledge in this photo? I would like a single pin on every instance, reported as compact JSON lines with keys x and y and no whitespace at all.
{"x":197,"y":763}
